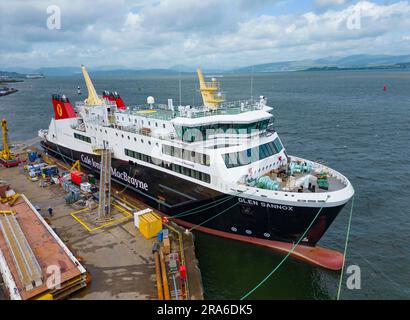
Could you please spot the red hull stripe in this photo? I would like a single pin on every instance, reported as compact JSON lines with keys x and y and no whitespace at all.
{"x":323,"y":257}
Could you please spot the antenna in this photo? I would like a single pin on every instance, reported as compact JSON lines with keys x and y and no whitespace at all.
{"x":180,"y":90}
{"x":252,"y":85}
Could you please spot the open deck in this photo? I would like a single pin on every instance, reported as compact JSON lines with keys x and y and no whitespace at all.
{"x":162,"y":112}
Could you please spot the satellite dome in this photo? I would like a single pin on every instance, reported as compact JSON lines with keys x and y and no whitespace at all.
{"x":150,"y":100}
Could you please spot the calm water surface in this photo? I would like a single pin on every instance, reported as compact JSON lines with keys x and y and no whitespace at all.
{"x":344,"y":118}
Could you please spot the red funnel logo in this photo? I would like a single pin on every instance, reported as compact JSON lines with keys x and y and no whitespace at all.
{"x":62,"y":107}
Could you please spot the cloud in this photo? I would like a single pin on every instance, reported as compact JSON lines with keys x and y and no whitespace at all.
{"x":328,"y":3}
{"x":214,"y":33}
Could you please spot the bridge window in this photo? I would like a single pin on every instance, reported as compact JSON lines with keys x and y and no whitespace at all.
{"x":242,"y":158}
{"x":198,"y":133}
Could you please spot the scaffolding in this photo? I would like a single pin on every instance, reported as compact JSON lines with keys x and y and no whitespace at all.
{"x":104,"y":201}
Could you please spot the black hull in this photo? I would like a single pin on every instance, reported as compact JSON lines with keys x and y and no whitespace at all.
{"x":173,"y":196}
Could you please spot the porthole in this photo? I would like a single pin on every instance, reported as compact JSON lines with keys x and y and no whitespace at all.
{"x":248,"y":232}
{"x":267,"y":235}
{"x":234,"y":229}
{"x":135,"y":139}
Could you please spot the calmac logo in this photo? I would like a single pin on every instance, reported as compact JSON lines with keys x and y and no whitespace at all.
{"x":118,"y":174}
{"x":59,"y":110}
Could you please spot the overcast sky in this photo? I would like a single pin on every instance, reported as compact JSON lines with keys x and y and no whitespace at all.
{"x":211,"y":33}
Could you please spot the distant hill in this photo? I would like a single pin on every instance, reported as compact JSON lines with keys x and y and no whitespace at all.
{"x":130,"y":72}
{"x":405,"y":65}
{"x":354,"y":61}
{"x":360,"y":61}
{"x":12,"y":75}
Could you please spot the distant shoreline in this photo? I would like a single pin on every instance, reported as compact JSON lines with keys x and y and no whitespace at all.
{"x":397,"y":66}
{"x":10,"y":81}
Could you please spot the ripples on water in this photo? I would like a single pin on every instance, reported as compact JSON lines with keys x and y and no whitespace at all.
{"x":344,"y":118}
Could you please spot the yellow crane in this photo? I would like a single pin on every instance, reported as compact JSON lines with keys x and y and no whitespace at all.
{"x":5,"y":153}
{"x":211,"y":95}
{"x":6,"y":157}
{"x":93,"y":98}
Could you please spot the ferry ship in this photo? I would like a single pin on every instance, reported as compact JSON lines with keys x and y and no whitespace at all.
{"x":220,"y":167}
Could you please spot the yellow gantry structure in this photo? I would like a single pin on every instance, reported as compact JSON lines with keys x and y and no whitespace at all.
{"x":5,"y":153}
{"x":210,"y":91}
{"x":93,"y":99}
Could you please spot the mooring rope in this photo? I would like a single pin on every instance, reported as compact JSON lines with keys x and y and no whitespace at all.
{"x":63,"y":157}
{"x":345,"y":250}
{"x":213,"y":217}
{"x":287,"y":256}
{"x":204,"y":207}
{"x":217,"y":215}
{"x":133,"y":177}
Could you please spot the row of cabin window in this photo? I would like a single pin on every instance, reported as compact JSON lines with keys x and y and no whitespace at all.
{"x":242,"y":158}
{"x":122,"y":136}
{"x":170,"y":166}
{"x":81,"y":137}
{"x":142,"y":121}
{"x":186,"y":154}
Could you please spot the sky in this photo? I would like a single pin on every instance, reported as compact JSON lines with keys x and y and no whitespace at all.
{"x":211,"y":33}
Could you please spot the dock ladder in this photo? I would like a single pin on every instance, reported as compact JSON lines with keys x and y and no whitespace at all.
{"x":104,"y":201}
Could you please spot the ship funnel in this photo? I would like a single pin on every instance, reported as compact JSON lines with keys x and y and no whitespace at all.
{"x":211,"y":95}
{"x":93,"y":99}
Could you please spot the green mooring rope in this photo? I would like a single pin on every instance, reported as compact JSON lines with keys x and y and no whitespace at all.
{"x":284,"y":259}
{"x":198,"y":225}
{"x":345,"y":251}
{"x":204,"y":207}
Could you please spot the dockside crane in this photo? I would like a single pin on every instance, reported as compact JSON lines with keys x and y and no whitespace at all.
{"x":6,"y":157}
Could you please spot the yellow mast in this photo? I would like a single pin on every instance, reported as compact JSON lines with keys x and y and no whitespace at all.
{"x":209,"y":91}
{"x":5,"y":153}
{"x":93,"y":99}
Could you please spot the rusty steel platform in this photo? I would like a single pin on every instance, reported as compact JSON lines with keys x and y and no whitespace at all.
{"x":31,"y":252}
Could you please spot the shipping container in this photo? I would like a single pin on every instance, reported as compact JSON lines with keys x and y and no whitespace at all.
{"x":149,"y":225}
{"x":77,"y":177}
{"x":91,"y":179}
{"x":32,"y":156}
